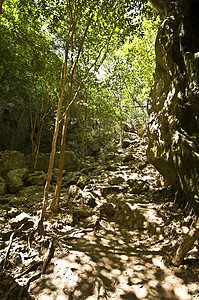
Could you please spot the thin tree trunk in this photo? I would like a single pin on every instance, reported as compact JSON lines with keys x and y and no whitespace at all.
{"x":84,"y":131}
{"x":53,"y":151}
{"x":55,"y":202}
{"x":121,"y":127}
{"x":187,"y":245}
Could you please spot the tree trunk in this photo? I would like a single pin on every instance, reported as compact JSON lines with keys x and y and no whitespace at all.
{"x":55,"y":202}
{"x":54,"y":206}
{"x":187,"y":245}
{"x":52,"y":155}
{"x":84,"y":132}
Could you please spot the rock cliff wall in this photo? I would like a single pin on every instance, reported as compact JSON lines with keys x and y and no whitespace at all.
{"x":173,"y":107}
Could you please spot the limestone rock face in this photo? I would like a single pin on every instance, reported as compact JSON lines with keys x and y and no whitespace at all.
{"x":173,"y":107}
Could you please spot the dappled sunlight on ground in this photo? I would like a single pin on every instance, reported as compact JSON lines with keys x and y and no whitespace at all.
{"x":120,"y":246}
{"x":122,"y":269}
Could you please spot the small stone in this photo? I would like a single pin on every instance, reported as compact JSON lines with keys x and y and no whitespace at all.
{"x":137,"y":186}
{"x":73,"y":191}
{"x":13,"y":212}
{"x":91,"y":221}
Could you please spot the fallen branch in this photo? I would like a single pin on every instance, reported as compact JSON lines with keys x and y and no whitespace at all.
{"x":35,"y":276}
{"x":8,"y":250}
{"x":48,"y":256}
{"x":9,"y":245}
{"x":29,"y":269}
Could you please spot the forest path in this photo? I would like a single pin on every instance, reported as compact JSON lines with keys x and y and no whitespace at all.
{"x":128,"y":252}
{"x":116,"y":235}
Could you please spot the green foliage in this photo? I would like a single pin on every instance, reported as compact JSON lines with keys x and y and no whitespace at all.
{"x":27,"y":60}
{"x":126,"y":75}
{"x":118,"y":46}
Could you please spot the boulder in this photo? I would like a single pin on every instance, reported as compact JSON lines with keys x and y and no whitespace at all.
{"x":70,"y":178}
{"x":138,"y":216}
{"x":3,"y":187}
{"x":16,"y":179}
{"x":88,"y":199}
{"x":137,"y":186}
{"x":71,"y":162}
{"x":22,"y":219}
{"x":36,"y":178}
{"x":173,"y":110}
{"x":107,"y":210}
{"x":83,"y":211}
{"x":10,"y":160}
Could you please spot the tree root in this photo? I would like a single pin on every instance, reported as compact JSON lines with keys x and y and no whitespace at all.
{"x":187,"y":245}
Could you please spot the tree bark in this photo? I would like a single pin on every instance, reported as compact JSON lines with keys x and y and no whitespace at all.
{"x":84,"y":131}
{"x":187,"y":245}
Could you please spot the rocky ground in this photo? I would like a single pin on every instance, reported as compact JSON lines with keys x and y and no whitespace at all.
{"x":114,"y":237}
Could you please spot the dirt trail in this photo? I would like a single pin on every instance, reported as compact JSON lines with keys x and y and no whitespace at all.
{"x":125,"y":251}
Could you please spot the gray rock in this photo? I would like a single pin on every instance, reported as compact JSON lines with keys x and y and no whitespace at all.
{"x":16,"y":179}
{"x":91,"y":222}
{"x":88,"y":199}
{"x":129,"y":216}
{"x":32,"y":190}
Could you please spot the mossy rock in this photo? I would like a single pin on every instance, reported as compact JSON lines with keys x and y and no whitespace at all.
{"x":71,"y":162}
{"x":3,"y":187}
{"x":10,"y":160}
{"x":16,"y":178}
